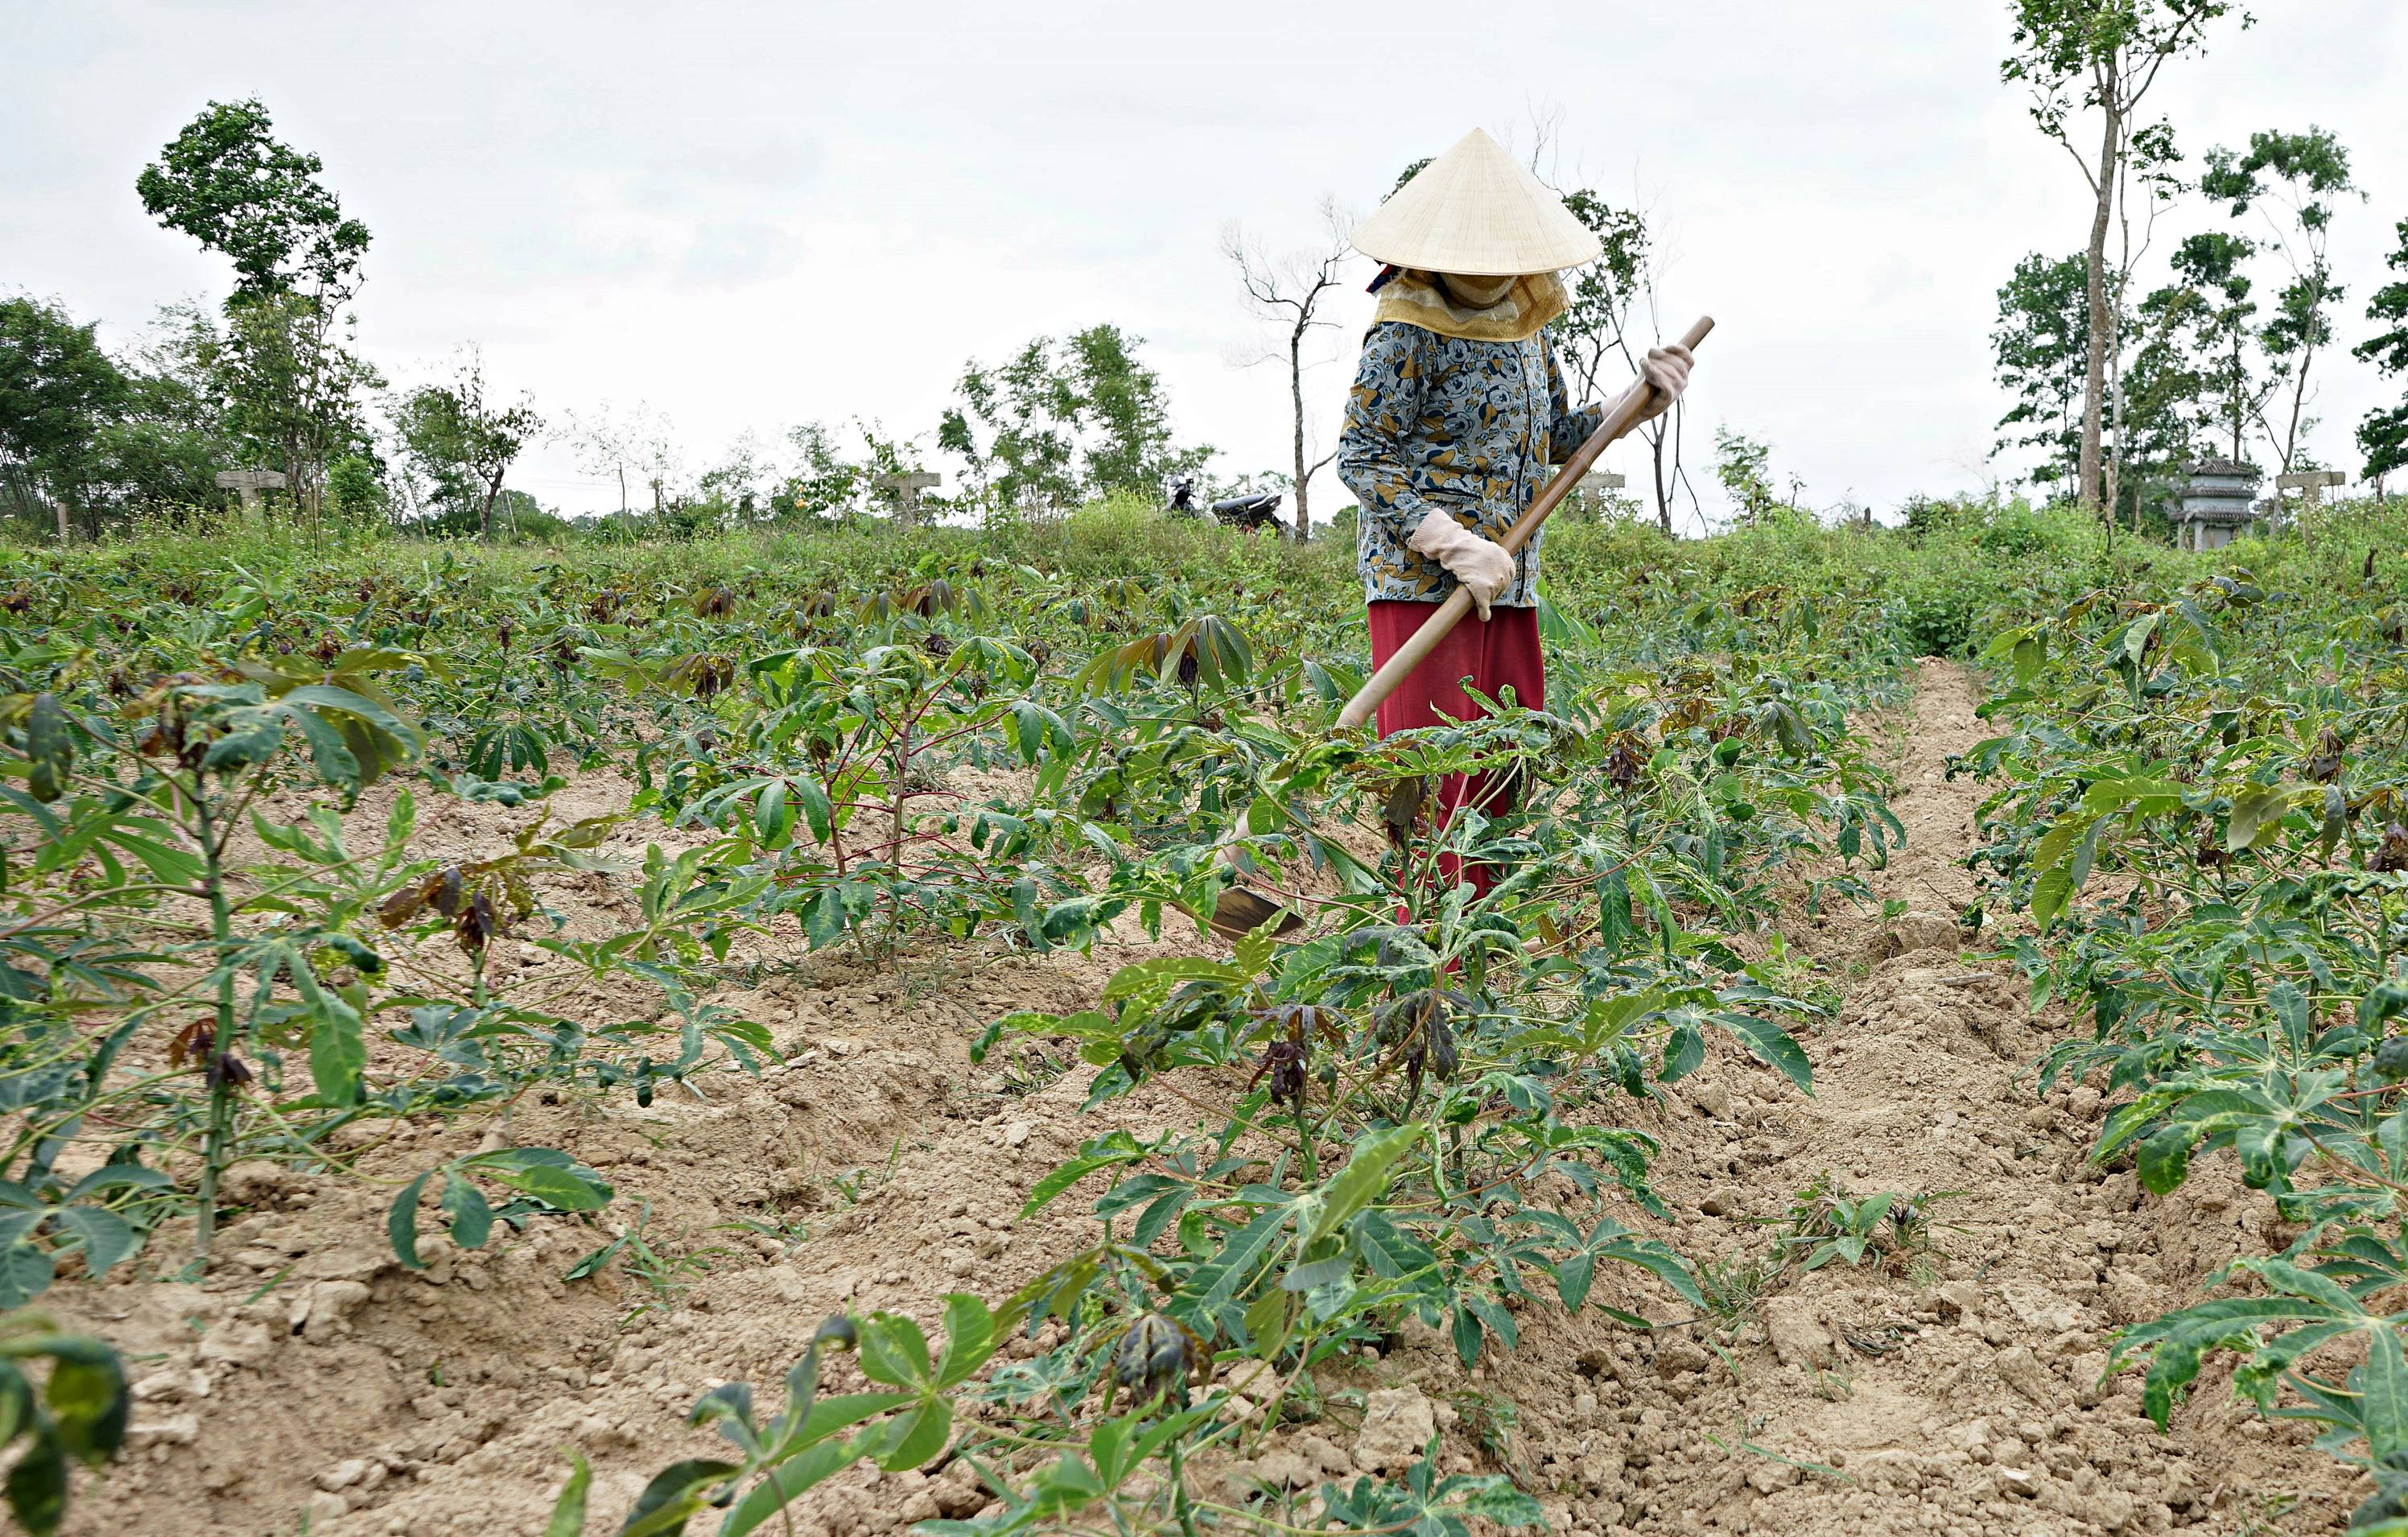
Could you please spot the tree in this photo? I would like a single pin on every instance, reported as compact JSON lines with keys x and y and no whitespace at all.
{"x":1289,"y":293}
{"x":1066,"y":419}
{"x":2384,"y":434}
{"x":2099,"y":56}
{"x":2042,"y":347}
{"x":174,"y":436}
{"x":462,"y":442}
{"x":2307,"y":173}
{"x":824,"y":483}
{"x":1594,"y":325}
{"x":2156,"y":407}
{"x":1123,"y":400}
{"x":609,"y":444}
{"x":2210,"y":307}
{"x":1596,"y":328}
{"x":2150,"y":160}
{"x":58,"y":394}
{"x":1744,"y":467}
{"x":226,"y":181}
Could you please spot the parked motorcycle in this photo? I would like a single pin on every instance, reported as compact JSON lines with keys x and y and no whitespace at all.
{"x":1255,"y":509}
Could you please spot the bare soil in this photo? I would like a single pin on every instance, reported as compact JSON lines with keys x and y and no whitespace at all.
{"x":311,"y":1383}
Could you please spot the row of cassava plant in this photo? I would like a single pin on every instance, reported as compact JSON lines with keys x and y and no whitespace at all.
{"x":2200,"y":803}
{"x":191,"y":980}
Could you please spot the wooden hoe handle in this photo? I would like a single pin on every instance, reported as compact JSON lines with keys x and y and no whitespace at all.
{"x":1620,"y":418}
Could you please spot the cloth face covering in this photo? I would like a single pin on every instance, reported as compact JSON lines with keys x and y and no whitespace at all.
{"x":1449,"y":308}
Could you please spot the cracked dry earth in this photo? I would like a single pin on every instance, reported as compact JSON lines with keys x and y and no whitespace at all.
{"x":308,"y":1379}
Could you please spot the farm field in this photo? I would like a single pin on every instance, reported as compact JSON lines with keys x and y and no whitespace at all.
{"x":468,"y":1011}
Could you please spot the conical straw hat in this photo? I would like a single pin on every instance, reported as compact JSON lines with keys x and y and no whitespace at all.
{"x":1474,"y":211}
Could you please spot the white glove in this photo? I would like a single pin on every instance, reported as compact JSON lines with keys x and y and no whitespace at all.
{"x":1480,"y":563}
{"x":1667,"y":372}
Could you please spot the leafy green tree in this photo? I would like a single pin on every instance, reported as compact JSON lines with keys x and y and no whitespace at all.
{"x":295,"y":391}
{"x":1017,"y":427}
{"x":228,"y":184}
{"x":464,"y":442}
{"x":2306,"y":175}
{"x":58,"y":394}
{"x":1744,"y":467}
{"x":2042,"y":346}
{"x":297,"y":385}
{"x":1063,"y":421}
{"x":2103,"y":56}
{"x":177,"y":433}
{"x":2209,"y":309}
{"x":1594,"y":327}
{"x":2157,"y":414}
{"x":823,"y":484}
{"x":355,"y":488}
{"x":2384,"y":434}
{"x":1130,"y":448}
{"x":2041,"y":350}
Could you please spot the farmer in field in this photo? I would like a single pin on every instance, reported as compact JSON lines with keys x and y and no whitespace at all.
{"x":1456,"y":412}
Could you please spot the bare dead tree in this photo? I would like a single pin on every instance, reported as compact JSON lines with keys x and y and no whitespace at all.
{"x":1288,"y":292}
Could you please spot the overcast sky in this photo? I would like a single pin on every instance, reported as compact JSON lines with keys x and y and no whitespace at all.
{"x":755,"y":215}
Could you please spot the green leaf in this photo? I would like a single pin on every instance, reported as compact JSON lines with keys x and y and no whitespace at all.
{"x":773,"y":817}
{"x":569,"y":1511}
{"x":343,"y":702}
{"x":338,"y":1050}
{"x":1215,"y":1281}
{"x":817,"y":813}
{"x":37,"y":1485}
{"x":799,"y":1471}
{"x":1151,"y":976}
{"x":25,"y":1273}
{"x":673,"y":1496}
{"x":89,"y":1403}
{"x":593,"y":1262}
{"x":49,"y":749}
{"x":1068,"y":1175}
{"x":472,"y":1217}
{"x":1773,"y":1046}
{"x":1354,"y":1186}
{"x":2383,"y":1400}
{"x":2050,"y":893}
{"x":105,"y":1236}
{"x":578,"y":1189}
{"x":401,"y":1222}
{"x":2057,"y":844}
{"x":1389,"y":1250}
{"x":894,"y":1351}
{"x":1661,"y":1262}
{"x":918,"y":1436}
{"x":969,"y":1338}
{"x":2258,"y":813}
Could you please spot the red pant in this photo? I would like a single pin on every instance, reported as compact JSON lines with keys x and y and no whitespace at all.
{"x":1498,"y":652}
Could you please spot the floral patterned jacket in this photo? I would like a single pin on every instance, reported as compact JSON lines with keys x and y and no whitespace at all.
{"x":1439,"y":422}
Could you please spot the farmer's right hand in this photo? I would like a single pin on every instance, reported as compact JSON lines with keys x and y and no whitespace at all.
{"x":1481,"y":565}
{"x":1665,"y":369}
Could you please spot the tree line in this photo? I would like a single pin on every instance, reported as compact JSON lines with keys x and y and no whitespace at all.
{"x":272,"y":379}
{"x":2118,"y":383}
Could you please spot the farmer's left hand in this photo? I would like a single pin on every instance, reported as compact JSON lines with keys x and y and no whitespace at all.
{"x":1666,"y":370}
